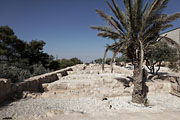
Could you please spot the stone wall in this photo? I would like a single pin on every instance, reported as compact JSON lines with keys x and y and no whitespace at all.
{"x":33,"y":84}
{"x":5,"y":89}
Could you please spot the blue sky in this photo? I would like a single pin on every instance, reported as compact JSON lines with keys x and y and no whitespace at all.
{"x":63,"y":24}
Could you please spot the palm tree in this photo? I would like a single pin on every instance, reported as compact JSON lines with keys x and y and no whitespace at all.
{"x":135,"y":30}
{"x":115,"y":49}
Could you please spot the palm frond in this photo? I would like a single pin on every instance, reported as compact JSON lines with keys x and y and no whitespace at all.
{"x":119,"y":25}
{"x":117,"y":16}
{"x":137,"y":7}
{"x":164,"y":27}
{"x":128,"y":7}
{"x":108,"y":35}
{"x":145,"y":8}
{"x":111,"y":21}
{"x":172,"y":17}
{"x":152,"y":12}
{"x":123,"y":18}
{"x":159,"y":24}
{"x":112,"y":9}
{"x":104,"y":28}
{"x":129,"y":12}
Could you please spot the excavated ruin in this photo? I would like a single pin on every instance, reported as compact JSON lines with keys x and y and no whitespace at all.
{"x":87,"y":90}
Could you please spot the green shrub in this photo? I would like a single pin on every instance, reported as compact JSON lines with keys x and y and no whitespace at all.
{"x":108,"y":61}
{"x":98,"y":61}
{"x":63,"y":63}
{"x":13,"y":73}
{"x":38,"y":69}
{"x":54,"y":65}
{"x":76,"y":61}
{"x":87,"y":63}
{"x":123,"y":58}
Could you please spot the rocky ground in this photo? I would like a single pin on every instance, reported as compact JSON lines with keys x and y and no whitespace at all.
{"x":88,"y":93}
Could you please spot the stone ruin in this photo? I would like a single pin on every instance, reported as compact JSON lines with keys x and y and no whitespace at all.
{"x":81,"y":80}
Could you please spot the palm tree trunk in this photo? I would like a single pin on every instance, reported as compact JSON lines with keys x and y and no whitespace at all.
{"x":103,"y":60}
{"x":140,"y":90}
{"x":113,"y":59}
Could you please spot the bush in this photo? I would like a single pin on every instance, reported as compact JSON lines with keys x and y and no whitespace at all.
{"x":13,"y":73}
{"x":108,"y":61}
{"x":87,"y":63}
{"x":54,"y":65}
{"x":19,"y":70}
{"x":76,"y":61}
{"x":123,"y":58}
{"x":98,"y":61}
{"x":38,"y":69}
{"x":16,"y":73}
{"x":63,"y":63}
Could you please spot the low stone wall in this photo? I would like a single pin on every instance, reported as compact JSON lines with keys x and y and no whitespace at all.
{"x":5,"y":89}
{"x":33,"y":84}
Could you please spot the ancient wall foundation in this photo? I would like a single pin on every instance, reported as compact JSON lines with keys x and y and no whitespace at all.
{"x":33,"y":84}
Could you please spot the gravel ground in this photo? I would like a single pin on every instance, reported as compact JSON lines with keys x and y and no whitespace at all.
{"x":44,"y":107}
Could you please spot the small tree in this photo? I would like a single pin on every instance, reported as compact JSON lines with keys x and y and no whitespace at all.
{"x":158,"y":53}
{"x":76,"y":61}
{"x":123,"y":58}
{"x":54,"y":65}
{"x":10,"y":45}
{"x":19,"y":59}
{"x":98,"y":61}
{"x":108,"y":61}
{"x":14,"y":73}
{"x":63,"y":63}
